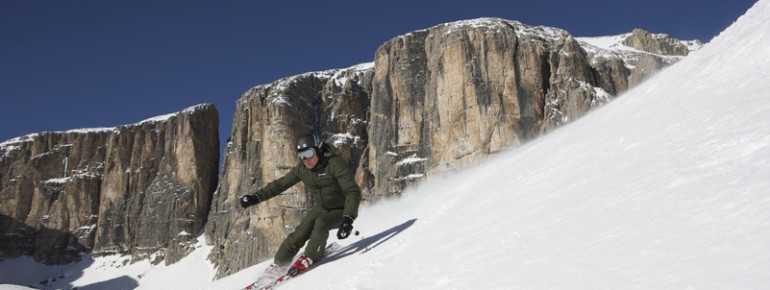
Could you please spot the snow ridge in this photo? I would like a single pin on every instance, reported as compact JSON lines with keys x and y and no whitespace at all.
{"x":12,"y":143}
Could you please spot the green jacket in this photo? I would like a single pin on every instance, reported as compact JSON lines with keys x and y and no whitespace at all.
{"x":330,"y":182}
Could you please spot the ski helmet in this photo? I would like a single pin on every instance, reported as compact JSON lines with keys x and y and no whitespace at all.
{"x":307,"y":141}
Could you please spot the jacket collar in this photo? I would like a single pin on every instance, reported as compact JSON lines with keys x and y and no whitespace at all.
{"x":322,"y":161}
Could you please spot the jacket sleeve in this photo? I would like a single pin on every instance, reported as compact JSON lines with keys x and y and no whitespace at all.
{"x":279,"y":185}
{"x":349,"y":187}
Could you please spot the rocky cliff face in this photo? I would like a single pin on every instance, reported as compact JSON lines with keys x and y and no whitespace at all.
{"x":444,"y":97}
{"x":139,"y":189}
{"x":434,"y":100}
{"x":622,"y":61}
{"x":49,"y":194}
{"x":659,"y":43}
{"x":450,"y":95}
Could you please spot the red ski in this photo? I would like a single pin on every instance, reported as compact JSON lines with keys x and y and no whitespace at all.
{"x":264,"y":283}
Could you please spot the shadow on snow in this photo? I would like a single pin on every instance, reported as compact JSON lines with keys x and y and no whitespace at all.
{"x":369,"y":243}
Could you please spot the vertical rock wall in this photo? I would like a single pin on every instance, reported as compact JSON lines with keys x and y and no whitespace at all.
{"x":138,"y":189}
{"x":446,"y":97}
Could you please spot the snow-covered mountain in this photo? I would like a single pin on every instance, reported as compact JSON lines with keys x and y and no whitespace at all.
{"x":668,"y":187}
{"x":613,"y":47}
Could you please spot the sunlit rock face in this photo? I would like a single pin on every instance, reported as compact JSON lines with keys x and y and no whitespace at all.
{"x":142,"y":189}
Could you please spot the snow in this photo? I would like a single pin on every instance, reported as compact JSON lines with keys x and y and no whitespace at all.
{"x":608,"y":47}
{"x":62,"y":180}
{"x":11,"y":144}
{"x":340,"y":77}
{"x":667,"y":187}
{"x":13,"y":287}
{"x":111,"y":272}
{"x":611,"y":43}
{"x":549,"y":34}
{"x":340,"y":139}
{"x":164,"y":118}
{"x":362,"y":67}
{"x":615,"y":43}
{"x":411,"y":159}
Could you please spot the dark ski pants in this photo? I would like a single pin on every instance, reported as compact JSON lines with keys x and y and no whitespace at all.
{"x":314,"y":229}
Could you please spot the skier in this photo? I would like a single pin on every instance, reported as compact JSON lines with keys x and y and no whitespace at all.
{"x":336,"y":196}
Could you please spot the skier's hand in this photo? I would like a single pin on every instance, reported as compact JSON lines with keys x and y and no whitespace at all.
{"x":249,"y":200}
{"x":345,"y":227}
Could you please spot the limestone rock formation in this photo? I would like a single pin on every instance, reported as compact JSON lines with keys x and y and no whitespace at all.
{"x":49,"y":194}
{"x":657,"y":43}
{"x":448,"y":96}
{"x":139,"y":189}
{"x":625,"y":60}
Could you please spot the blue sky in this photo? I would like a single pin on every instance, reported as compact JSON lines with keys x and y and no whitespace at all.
{"x":83,"y":64}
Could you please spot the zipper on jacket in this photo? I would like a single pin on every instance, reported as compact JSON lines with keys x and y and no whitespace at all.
{"x":315,"y":183}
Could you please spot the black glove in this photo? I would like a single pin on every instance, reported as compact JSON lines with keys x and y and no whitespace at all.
{"x":249,"y":200}
{"x":345,"y":227}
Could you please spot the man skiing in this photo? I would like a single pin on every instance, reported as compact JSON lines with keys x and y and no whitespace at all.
{"x":336,"y":197}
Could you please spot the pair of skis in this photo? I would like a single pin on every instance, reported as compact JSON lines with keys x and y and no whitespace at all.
{"x":269,"y":282}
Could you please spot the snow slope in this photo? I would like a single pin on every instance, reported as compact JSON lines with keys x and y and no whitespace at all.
{"x":668,"y":187}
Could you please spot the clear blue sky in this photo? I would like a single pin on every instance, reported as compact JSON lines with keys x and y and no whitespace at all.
{"x":82,"y":64}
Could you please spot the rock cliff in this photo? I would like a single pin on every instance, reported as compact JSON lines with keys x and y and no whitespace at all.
{"x":658,"y":43}
{"x":622,"y":61}
{"x":448,"y":96}
{"x":139,"y":189}
{"x":434,"y":100}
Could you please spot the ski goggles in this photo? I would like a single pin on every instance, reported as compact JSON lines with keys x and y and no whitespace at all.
{"x":306,"y":154}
